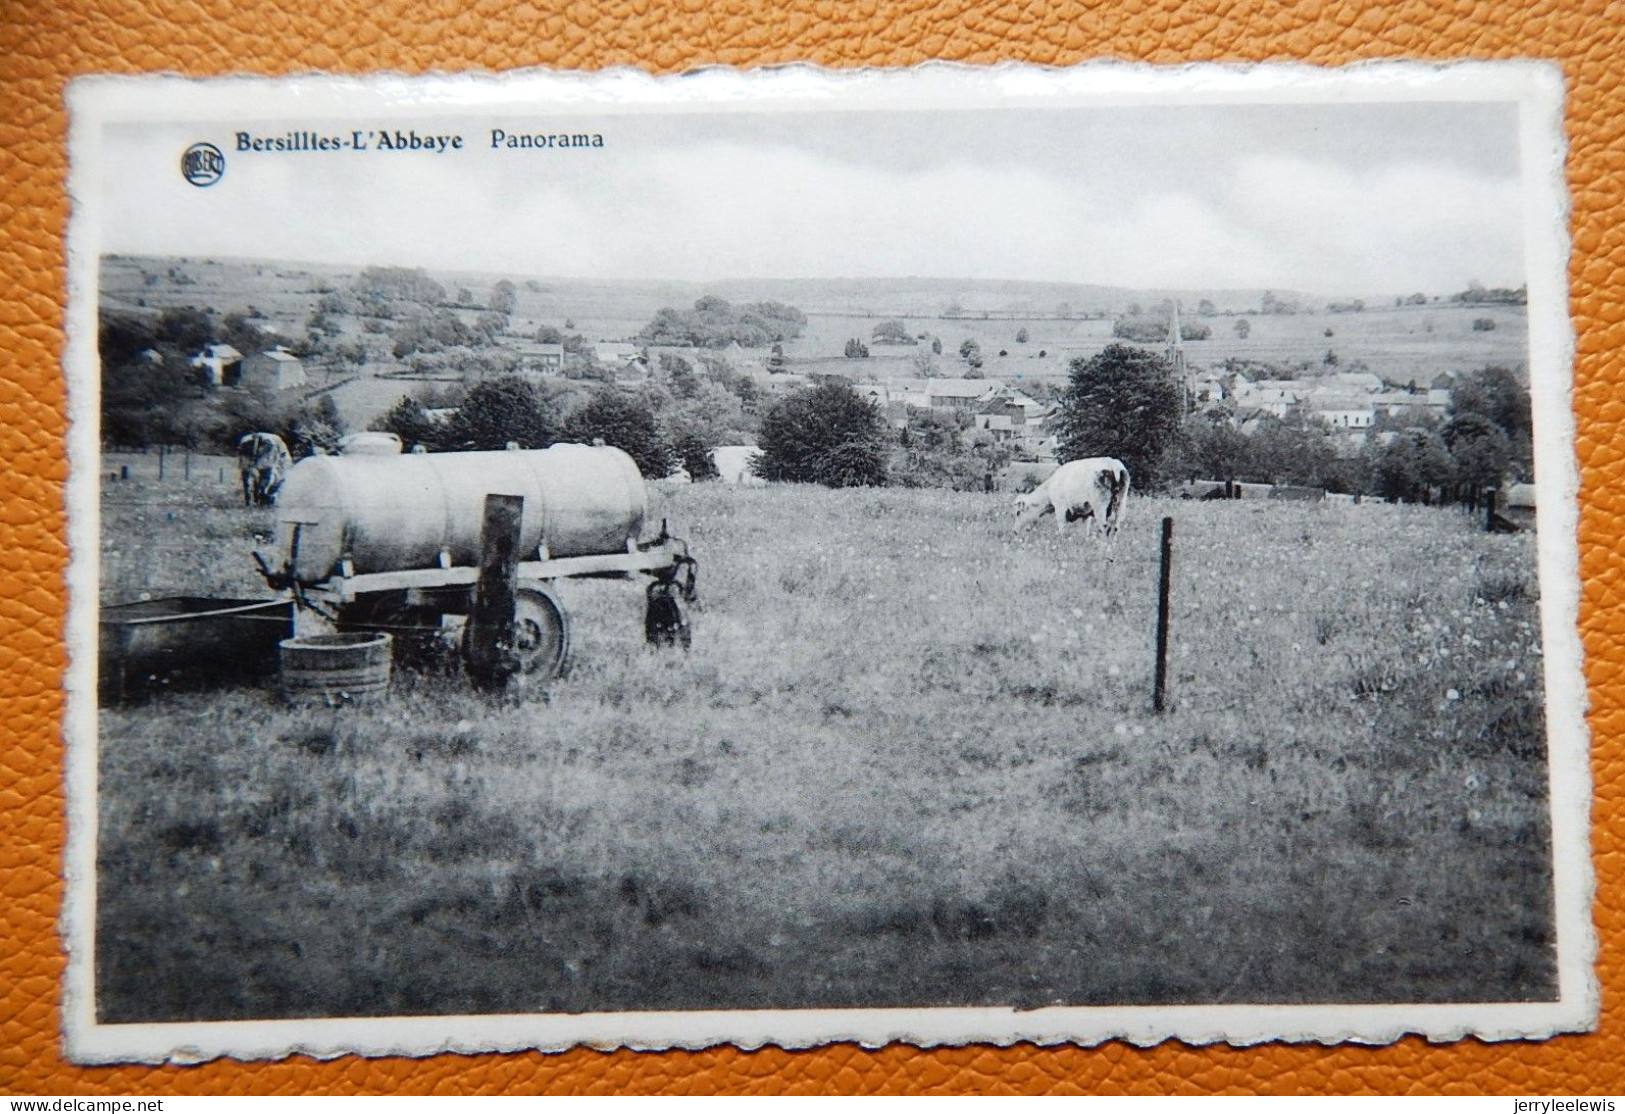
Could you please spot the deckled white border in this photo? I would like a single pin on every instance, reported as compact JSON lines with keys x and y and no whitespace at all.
{"x":1537,"y":87}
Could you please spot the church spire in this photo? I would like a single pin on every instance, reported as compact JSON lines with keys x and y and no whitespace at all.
{"x":1175,"y":355}
{"x":1175,"y":351}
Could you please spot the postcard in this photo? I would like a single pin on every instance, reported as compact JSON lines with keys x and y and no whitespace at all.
{"x":941,"y":556}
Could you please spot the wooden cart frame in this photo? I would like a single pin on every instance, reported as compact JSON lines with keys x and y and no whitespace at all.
{"x":412,"y":604}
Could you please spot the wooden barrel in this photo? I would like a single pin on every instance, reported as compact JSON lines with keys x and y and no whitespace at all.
{"x":335,"y":668}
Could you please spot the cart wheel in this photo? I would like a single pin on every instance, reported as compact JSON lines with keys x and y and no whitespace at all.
{"x":541,"y":635}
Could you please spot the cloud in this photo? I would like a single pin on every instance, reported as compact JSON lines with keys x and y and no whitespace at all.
{"x":1389,"y":228}
{"x":714,"y":208}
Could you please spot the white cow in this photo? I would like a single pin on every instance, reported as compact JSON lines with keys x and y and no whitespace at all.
{"x":734,"y":464}
{"x":1092,"y":489}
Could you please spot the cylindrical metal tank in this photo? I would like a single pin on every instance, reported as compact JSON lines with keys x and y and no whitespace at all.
{"x":401,"y":512}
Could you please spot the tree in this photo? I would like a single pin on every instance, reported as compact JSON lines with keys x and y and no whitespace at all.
{"x":1287,"y":451}
{"x":891,"y":332}
{"x":1243,"y":327}
{"x":628,"y":423}
{"x":408,"y":420}
{"x":1496,"y":393}
{"x":1206,"y":308}
{"x":695,"y":426}
{"x":1123,"y":403}
{"x":1210,"y":448}
{"x":1410,"y":464}
{"x":679,"y":375}
{"x":430,"y":332}
{"x":312,"y":425}
{"x":384,"y":284}
{"x":971,"y":353}
{"x":1481,"y":450}
{"x":497,"y":411}
{"x":856,"y":350}
{"x":491,"y":324}
{"x":121,"y":339}
{"x":185,"y":329}
{"x":715,"y":323}
{"x":936,"y":346}
{"x":547,"y":334}
{"x":503,"y":298}
{"x":1022,"y":335}
{"x":827,"y":434}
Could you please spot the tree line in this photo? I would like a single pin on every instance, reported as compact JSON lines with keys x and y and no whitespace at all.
{"x":1125,"y":402}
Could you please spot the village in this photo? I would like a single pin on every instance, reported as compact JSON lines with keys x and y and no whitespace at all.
{"x":1350,"y":404}
{"x":1273,"y":389}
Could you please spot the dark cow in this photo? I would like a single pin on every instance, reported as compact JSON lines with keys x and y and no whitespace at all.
{"x":263,"y":461}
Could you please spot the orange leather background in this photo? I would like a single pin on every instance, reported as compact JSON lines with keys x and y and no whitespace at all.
{"x":43,"y":44}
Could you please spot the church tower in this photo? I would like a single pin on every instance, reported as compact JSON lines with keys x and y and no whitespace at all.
{"x":1174,"y":353}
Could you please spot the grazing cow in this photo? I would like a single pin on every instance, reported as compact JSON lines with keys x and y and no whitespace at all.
{"x":1091,"y":490}
{"x":262,"y":463}
{"x":734,"y":464}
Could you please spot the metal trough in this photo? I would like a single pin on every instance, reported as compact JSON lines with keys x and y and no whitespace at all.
{"x":214,"y":638}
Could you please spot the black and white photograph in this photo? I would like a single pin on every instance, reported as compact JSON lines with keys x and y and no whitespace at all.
{"x":779,"y":557}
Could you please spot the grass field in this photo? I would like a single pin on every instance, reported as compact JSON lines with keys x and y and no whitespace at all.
{"x":909,"y":760}
{"x":1399,"y":344}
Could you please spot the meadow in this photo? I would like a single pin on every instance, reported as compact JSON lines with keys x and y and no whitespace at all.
{"x":909,"y":760}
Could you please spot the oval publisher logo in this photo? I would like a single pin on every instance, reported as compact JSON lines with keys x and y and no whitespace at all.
{"x":202,"y":164}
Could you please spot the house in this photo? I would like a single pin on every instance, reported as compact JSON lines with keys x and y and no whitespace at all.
{"x":1001,"y":426}
{"x":1339,"y":409}
{"x":1001,"y":416}
{"x":1271,"y":400}
{"x":957,"y":394}
{"x":274,"y":370}
{"x":616,"y":354}
{"x":221,"y":364}
{"x":548,"y":357}
{"x":1208,"y":387}
{"x":1354,"y":381}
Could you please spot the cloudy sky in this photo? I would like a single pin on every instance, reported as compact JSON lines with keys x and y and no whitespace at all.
{"x":1328,"y":199}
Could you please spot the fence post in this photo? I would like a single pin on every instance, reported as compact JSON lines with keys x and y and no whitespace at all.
{"x":161,"y":455}
{"x":1160,"y":685}
{"x":490,"y":647}
{"x":1489,"y":509}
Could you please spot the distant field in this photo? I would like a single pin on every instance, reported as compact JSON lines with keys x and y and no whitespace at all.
{"x":1399,"y":343}
{"x":909,"y":760}
{"x":1417,"y":342}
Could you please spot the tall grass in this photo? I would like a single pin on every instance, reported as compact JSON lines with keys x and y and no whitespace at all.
{"x":910,"y":760}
